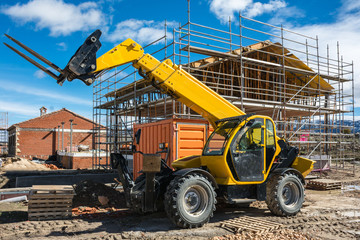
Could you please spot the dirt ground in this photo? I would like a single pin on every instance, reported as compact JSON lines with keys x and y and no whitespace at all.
{"x":331,"y":214}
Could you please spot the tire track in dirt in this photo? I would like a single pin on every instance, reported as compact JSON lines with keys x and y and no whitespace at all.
{"x":330,"y":224}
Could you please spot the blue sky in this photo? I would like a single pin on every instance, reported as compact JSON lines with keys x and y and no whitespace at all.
{"x":55,"y":28}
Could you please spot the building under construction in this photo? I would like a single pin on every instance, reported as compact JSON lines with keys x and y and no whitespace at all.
{"x":3,"y":132}
{"x":260,"y":68}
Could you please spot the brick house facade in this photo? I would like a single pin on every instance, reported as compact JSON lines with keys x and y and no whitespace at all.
{"x":41,"y":137}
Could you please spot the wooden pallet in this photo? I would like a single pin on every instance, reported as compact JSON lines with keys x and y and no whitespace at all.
{"x":50,"y":202}
{"x":323,"y":184}
{"x":249,"y":224}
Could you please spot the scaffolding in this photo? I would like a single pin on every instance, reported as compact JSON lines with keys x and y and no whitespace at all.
{"x":260,"y":68}
{"x":3,"y":132}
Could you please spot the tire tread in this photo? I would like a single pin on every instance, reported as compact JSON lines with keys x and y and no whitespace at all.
{"x":272,"y":198}
{"x":170,"y":201}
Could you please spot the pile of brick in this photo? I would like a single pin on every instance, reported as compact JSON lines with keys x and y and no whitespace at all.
{"x":51,"y":166}
{"x":97,"y":212}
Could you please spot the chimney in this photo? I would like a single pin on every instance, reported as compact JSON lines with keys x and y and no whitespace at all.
{"x":43,"y":110}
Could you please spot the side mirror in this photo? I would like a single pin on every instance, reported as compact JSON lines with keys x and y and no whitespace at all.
{"x":137,"y":136}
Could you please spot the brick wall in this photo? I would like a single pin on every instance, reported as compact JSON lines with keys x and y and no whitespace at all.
{"x":39,"y":137}
{"x":73,"y":162}
{"x":45,"y":143}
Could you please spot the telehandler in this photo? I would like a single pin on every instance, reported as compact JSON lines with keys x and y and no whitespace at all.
{"x":243,"y":160}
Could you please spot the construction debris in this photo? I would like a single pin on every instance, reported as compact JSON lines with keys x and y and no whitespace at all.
{"x":82,"y":148}
{"x":103,"y":200}
{"x":15,"y":199}
{"x":51,"y":166}
{"x":22,"y":164}
{"x":92,"y":194}
{"x":97,"y":212}
{"x":13,"y":192}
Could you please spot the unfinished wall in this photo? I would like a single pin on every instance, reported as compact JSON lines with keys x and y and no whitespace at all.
{"x":43,"y":143}
{"x":42,"y":137}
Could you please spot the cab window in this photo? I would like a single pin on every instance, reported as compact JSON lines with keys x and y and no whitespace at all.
{"x":252,"y":139}
{"x":270,"y":142}
{"x":216,"y":143}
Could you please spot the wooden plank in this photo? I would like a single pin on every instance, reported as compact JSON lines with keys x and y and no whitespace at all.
{"x":46,"y":205}
{"x":50,"y":215}
{"x":50,"y":202}
{"x":51,"y":192}
{"x":38,"y":214}
{"x":323,"y":184}
{"x":52,"y":187}
{"x":50,"y":211}
{"x":47,"y":196}
{"x":35,"y":201}
{"x":47,"y":213}
{"x":42,"y":205}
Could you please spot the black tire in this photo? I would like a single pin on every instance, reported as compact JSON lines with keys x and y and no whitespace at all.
{"x":284,"y":194}
{"x":190,"y":201}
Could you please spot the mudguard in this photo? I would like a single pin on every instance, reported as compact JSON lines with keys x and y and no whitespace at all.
{"x":186,"y":171}
{"x":281,"y":171}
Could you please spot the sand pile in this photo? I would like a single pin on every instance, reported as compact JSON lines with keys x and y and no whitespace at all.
{"x":21,"y":164}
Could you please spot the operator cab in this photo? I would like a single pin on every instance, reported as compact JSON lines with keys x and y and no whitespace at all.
{"x":248,"y":145}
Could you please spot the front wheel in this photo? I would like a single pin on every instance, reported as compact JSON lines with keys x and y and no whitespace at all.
{"x":284,"y":194}
{"x":190,"y":201}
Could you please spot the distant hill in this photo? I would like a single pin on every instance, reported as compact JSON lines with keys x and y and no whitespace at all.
{"x":357,"y":124}
{"x":346,"y":123}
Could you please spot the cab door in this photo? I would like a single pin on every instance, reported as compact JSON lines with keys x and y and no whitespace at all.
{"x":248,"y":151}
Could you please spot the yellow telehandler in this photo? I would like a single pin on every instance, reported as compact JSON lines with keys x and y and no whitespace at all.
{"x":242,"y":161}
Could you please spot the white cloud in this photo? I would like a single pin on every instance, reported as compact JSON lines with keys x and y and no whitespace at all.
{"x":259,"y":8}
{"x":350,"y":117}
{"x":62,"y":46}
{"x":63,"y":18}
{"x":350,"y":5}
{"x":223,"y":9}
{"x":142,"y":31}
{"x":39,"y":74}
{"x":287,"y":13}
{"x":346,"y":30}
{"x":18,"y":108}
{"x":23,"y":89}
{"x":59,"y":17}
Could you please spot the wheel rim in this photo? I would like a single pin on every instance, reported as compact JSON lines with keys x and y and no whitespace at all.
{"x":290,"y":194}
{"x":195,"y":200}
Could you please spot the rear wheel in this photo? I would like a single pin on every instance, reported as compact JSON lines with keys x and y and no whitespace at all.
{"x":190,"y":201}
{"x":284,"y":194}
